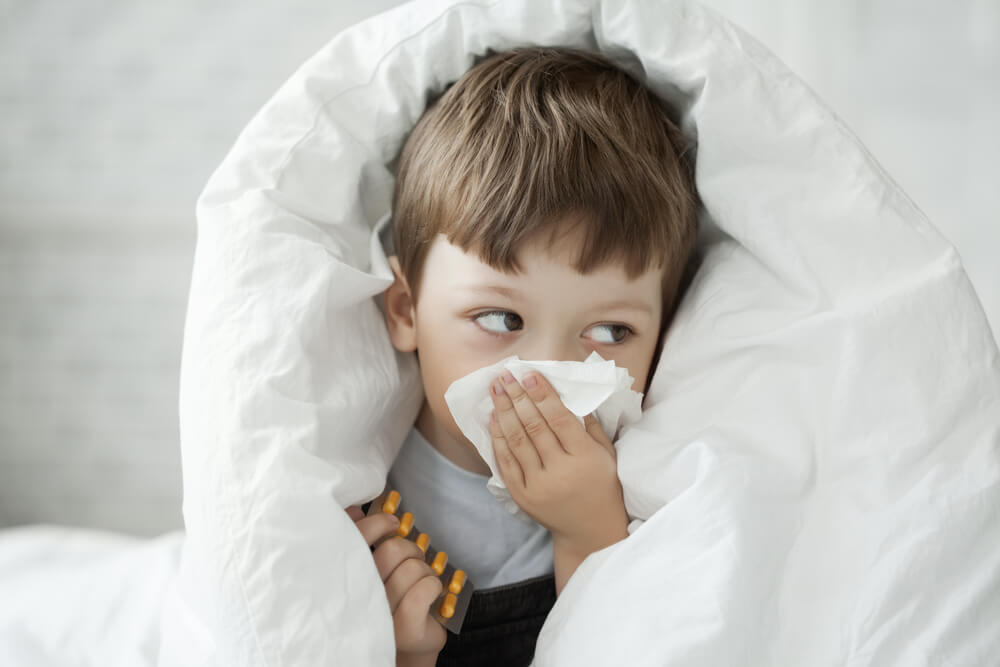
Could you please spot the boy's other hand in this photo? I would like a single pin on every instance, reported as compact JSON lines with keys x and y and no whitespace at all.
{"x":410,"y":585}
{"x":561,"y":473}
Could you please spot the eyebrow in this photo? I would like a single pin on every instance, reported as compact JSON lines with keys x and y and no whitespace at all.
{"x":512,"y":293}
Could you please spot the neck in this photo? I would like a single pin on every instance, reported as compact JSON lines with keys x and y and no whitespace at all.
{"x":460,"y":452}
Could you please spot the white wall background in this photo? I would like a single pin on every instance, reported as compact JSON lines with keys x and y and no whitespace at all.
{"x":115,"y":112}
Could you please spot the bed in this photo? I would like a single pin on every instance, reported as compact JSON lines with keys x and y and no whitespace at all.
{"x":815,"y":478}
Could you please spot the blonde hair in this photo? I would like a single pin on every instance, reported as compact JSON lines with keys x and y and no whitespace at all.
{"x":532,"y":138}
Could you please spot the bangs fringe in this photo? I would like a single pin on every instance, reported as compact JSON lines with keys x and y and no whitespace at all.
{"x":535,"y":142}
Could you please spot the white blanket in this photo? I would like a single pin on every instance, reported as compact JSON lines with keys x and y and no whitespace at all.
{"x":73,"y":597}
{"x":815,"y":481}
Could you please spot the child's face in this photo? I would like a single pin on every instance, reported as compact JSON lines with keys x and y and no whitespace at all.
{"x":469,"y":315}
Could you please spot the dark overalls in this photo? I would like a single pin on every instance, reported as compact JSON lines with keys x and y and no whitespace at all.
{"x":501,"y":625}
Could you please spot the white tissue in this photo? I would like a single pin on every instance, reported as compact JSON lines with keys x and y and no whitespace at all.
{"x":594,"y":385}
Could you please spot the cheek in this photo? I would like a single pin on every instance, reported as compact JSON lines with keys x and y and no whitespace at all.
{"x":638,"y":372}
{"x":639,"y":385}
{"x":638,"y":362}
{"x":437,"y":374}
{"x":444,"y":358}
{"x":459,"y":346}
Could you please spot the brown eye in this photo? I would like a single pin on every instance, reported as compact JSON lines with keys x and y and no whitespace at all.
{"x":611,"y":333}
{"x":499,"y":321}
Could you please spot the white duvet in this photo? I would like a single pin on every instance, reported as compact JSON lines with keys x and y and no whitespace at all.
{"x":815,"y":479}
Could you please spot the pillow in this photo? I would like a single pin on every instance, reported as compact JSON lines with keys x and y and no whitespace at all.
{"x":815,"y":479}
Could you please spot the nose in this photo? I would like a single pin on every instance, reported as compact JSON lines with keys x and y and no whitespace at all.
{"x":554,"y":349}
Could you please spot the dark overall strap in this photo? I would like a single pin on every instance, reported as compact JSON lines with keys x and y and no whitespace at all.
{"x":502,"y":625}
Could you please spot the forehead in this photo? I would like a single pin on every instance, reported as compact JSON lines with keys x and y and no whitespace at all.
{"x":546,"y":271}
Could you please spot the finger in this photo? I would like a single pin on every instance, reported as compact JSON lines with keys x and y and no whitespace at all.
{"x":564,"y":424}
{"x":510,"y":469}
{"x":518,"y":441}
{"x":523,"y":399}
{"x":411,"y":618}
{"x":393,"y":552}
{"x":355,"y":513}
{"x":409,"y":573}
{"x":596,"y":431}
{"x":375,"y":527}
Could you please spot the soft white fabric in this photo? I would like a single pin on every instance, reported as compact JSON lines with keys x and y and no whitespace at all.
{"x":594,"y":385}
{"x":72,"y":597}
{"x":815,"y":479}
{"x":465,"y":521}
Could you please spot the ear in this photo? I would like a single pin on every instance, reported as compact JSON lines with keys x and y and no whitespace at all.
{"x":400,"y":315}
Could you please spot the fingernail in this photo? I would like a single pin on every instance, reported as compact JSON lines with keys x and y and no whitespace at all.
{"x":507,"y":377}
{"x":498,"y":389}
{"x":530,"y":382}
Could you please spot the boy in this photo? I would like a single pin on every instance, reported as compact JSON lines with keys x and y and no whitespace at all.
{"x":544,"y":207}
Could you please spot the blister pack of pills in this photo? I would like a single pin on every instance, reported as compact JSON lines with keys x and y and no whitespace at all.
{"x":450,"y":608}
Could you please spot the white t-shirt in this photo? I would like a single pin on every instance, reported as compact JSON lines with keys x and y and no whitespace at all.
{"x":464,"y":520}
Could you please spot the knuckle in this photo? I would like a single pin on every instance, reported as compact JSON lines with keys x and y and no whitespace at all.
{"x":564,"y":420}
{"x":397,"y":554}
{"x":536,"y":426}
{"x":516,"y":439}
{"x":407,"y":610}
{"x":415,"y":606}
{"x":376,"y":528}
{"x":434,"y":587}
{"x":411,"y":608}
{"x":410,"y":546}
{"x":394,"y":548}
{"x":414,"y":568}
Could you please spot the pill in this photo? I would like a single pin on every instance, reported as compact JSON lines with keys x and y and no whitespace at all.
{"x":439,"y":562}
{"x":391,"y":503}
{"x":405,"y":524}
{"x":447,"y":609}
{"x":423,"y":541}
{"x":457,"y":581}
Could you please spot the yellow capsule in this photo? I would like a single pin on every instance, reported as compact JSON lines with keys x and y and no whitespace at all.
{"x":447,"y":609}
{"x":424,"y":541}
{"x":405,"y":524}
{"x":457,"y":581}
{"x":439,"y":562}
{"x":391,"y":502}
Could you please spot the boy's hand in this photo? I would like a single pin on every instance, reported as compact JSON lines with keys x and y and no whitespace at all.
{"x":410,"y":584}
{"x":561,"y":473}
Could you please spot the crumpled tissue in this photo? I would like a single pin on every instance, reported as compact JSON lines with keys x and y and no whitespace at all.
{"x":593,"y":385}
